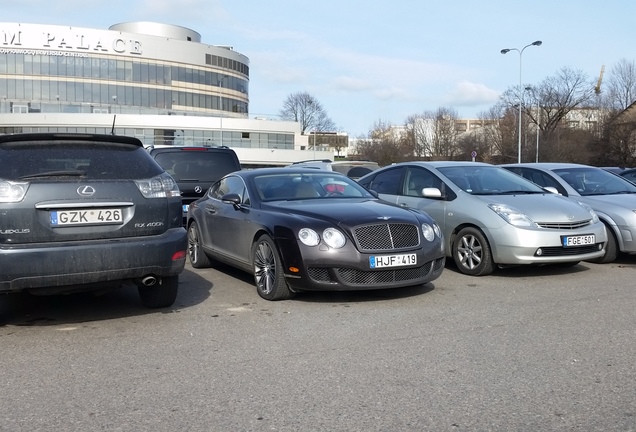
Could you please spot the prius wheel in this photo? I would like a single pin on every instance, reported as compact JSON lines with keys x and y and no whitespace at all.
{"x":472,"y":254}
{"x":197,"y":256}
{"x":268,"y":271}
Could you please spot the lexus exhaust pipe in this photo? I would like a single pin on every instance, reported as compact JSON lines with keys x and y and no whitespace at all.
{"x":149,"y":281}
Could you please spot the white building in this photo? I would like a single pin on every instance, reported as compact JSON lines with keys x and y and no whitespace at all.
{"x":156,"y":82}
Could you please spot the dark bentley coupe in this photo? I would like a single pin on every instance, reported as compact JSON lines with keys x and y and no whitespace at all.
{"x":307,"y":230}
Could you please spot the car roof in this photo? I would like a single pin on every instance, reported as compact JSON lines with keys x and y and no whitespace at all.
{"x":442,"y":164}
{"x":549,"y":165}
{"x":48,"y":136}
{"x":161,"y":148}
{"x":284,"y":170}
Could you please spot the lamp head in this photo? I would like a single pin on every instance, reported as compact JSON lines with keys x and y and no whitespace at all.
{"x":537,"y":43}
{"x":505,"y":50}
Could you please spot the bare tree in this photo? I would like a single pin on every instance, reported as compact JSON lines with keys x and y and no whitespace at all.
{"x":621,"y":85}
{"x":558,"y":95}
{"x":384,"y":145}
{"x":445,"y":135}
{"x":306,"y":110}
{"x":495,"y":141}
{"x":419,"y":133}
{"x":433,"y":134}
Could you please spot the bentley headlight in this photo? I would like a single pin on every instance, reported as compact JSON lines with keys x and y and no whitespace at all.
{"x":437,"y":229}
{"x":512,"y":215}
{"x":309,"y":237}
{"x":334,"y":238}
{"x":429,"y":233}
{"x":595,"y":218}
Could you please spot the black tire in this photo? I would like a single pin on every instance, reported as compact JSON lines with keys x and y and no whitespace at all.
{"x":197,"y":256}
{"x":472,"y":254}
{"x":269,"y":276}
{"x":160,"y":295}
{"x":611,"y":249}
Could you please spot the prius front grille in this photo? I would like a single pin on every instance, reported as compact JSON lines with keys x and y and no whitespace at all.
{"x":565,"y":225}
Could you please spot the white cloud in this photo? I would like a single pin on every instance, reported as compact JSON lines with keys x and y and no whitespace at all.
{"x":467,"y":93}
{"x":348,"y":83}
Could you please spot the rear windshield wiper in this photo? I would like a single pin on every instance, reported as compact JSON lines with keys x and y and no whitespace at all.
{"x":59,"y":173}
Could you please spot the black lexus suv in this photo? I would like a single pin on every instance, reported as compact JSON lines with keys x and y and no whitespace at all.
{"x":81,"y":212}
{"x":195,"y":169}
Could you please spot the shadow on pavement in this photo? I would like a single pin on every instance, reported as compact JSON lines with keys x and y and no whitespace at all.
{"x":24,"y":309}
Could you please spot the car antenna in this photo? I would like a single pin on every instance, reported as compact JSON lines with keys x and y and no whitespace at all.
{"x":112,"y":130}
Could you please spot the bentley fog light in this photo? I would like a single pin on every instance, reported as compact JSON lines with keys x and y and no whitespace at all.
{"x":309,"y":237}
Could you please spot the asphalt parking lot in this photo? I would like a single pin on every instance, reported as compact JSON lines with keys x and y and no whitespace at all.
{"x":525,"y":349}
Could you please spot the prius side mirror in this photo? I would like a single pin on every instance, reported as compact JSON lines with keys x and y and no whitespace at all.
{"x":433,"y":193}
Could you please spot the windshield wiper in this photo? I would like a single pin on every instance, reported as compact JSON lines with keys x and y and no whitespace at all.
{"x":623,"y":192}
{"x":522,"y":192}
{"x":60,"y":173}
{"x":515,"y":192}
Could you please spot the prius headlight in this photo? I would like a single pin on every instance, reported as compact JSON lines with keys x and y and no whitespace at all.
{"x":331,"y":236}
{"x":595,"y":218}
{"x":512,"y":215}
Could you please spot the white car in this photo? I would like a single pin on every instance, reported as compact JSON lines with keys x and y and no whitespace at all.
{"x":353,"y":169}
{"x":611,"y":196}
{"x":491,"y":217}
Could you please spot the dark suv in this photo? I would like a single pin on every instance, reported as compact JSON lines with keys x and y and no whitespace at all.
{"x":195,"y":168}
{"x":81,"y":212}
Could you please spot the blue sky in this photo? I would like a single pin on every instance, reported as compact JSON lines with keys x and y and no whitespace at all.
{"x":375,"y":60}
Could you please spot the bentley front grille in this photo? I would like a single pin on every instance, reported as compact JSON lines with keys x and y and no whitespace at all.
{"x":386,"y":236}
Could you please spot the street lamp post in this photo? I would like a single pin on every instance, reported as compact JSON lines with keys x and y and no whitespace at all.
{"x":520,"y":51}
{"x":307,"y":132}
{"x":538,"y":120}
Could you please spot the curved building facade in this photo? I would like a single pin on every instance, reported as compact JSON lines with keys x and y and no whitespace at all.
{"x":157,"y":82}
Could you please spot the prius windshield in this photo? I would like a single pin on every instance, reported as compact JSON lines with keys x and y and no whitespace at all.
{"x":595,"y":181}
{"x":489,"y":180}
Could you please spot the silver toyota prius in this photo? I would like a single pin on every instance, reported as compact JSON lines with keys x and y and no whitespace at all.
{"x":491,"y":217}
{"x":611,"y":196}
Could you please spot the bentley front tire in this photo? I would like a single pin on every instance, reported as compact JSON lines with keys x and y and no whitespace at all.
{"x":268,"y":270}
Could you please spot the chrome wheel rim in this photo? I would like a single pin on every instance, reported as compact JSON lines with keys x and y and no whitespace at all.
{"x":193,"y":244}
{"x":264,"y":268}
{"x":469,"y":251}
